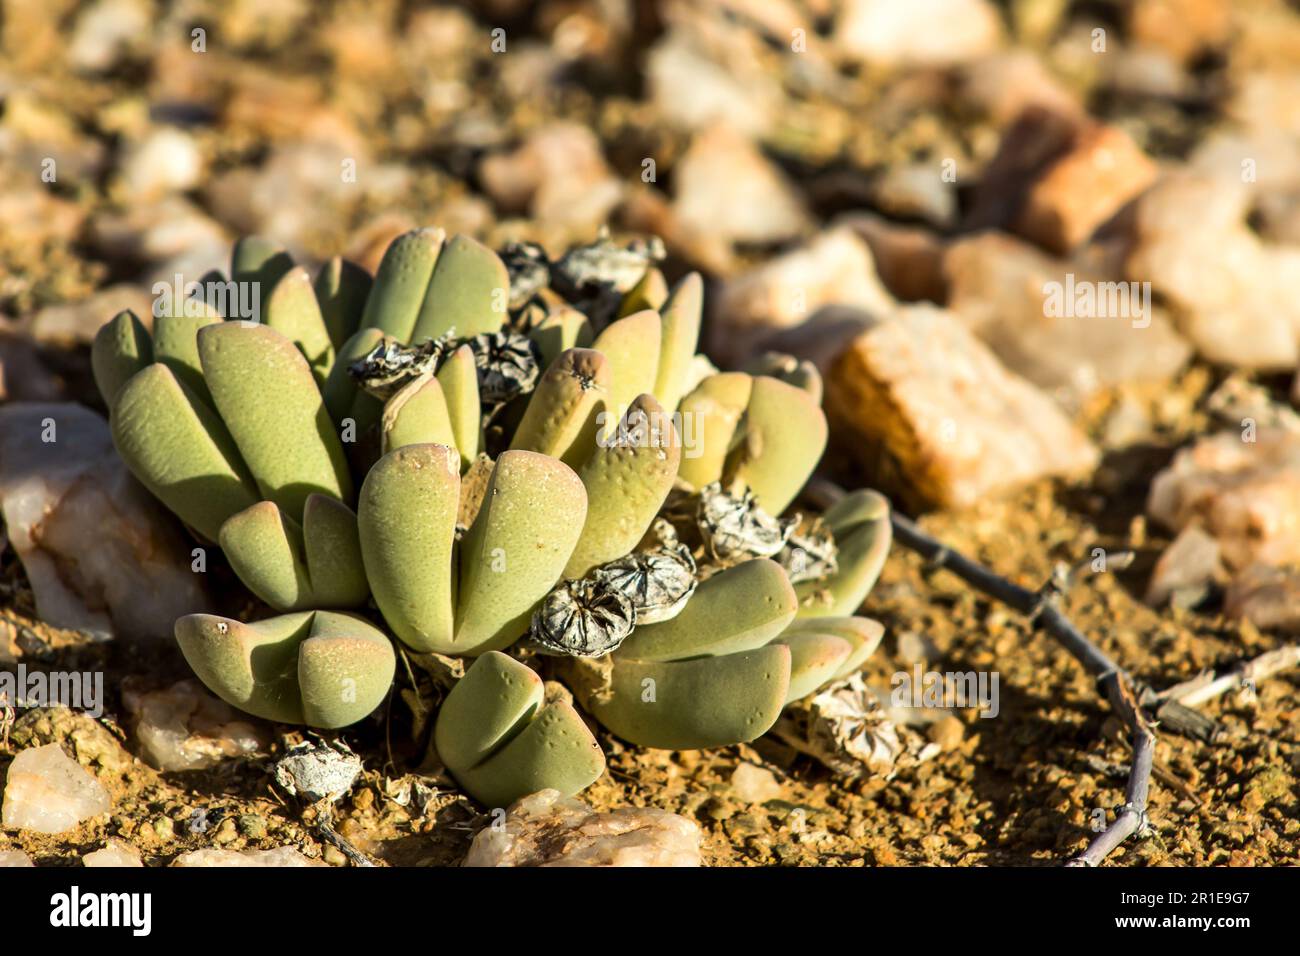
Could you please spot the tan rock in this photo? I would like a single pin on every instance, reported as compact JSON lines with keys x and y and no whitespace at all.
{"x":1233,"y":294}
{"x":726,"y":189}
{"x":918,"y":32}
{"x":1003,"y":85}
{"x":548,"y":829}
{"x":183,"y":727}
{"x":1266,"y":596}
{"x":930,"y":413}
{"x":909,"y":259}
{"x":836,"y":268}
{"x":1063,"y":325}
{"x":1246,"y":494}
{"x":558,"y":174}
{"x":1186,"y":569}
{"x":46,"y":791}
{"x":115,"y":853}
{"x":280,"y":856}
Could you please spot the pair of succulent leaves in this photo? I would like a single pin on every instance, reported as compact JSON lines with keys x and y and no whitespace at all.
{"x":235,"y":426}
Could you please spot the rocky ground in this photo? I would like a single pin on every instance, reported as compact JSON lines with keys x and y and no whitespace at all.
{"x":888,"y":199}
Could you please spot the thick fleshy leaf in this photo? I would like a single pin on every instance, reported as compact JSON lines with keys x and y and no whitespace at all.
{"x":250,"y":666}
{"x":323,"y":668}
{"x":401,"y":283}
{"x":179,"y":449}
{"x":814,"y":660}
{"x":562,"y":329}
{"x":516,"y":549}
{"x":562,"y":414}
{"x":292,"y":310}
{"x":258,"y":264}
{"x":627,"y":479}
{"x":266,"y":395}
{"x":407,"y":522}
{"x":499,"y":747}
{"x":417,"y":415}
{"x":689,"y":705}
{"x":122,"y":347}
{"x":341,"y":290}
{"x":469,"y":293}
{"x":340,"y":391}
{"x":649,"y":293}
{"x":265,"y":548}
{"x":345,"y":669}
{"x":800,"y":373}
{"x":459,"y":380}
{"x":680,"y":335}
{"x":784,"y":437}
{"x":333,"y":551}
{"x":740,"y":608}
{"x":712,"y":411}
{"x":176,"y":345}
{"x":862,"y":633}
{"x":860,"y":523}
{"x":632,"y":347}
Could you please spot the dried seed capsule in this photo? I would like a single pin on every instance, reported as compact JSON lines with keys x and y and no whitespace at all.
{"x":810,"y":552}
{"x":585,"y":618}
{"x":389,"y":365}
{"x":529,"y":271}
{"x":735,"y":528}
{"x":605,"y":265}
{"x":659,"y":582}
{"x":507,"y":365}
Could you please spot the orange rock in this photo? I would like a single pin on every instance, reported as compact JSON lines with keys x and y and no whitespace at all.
{"x":1101,"y":171}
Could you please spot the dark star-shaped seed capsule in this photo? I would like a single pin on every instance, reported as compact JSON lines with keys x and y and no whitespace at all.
{"x":735,"y":528}
{"x":659,"y":581}
{"x":585,"y":618}
{"x":507,"y":365}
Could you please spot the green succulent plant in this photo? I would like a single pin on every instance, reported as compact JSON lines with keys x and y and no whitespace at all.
{"x":482,"y":477}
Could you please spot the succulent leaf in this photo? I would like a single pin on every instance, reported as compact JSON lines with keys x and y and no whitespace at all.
{"x":562,"y":329}
{"x":561,"y":418}
{"x":459,"y":380}
{"x":400,"y":285}
{"x":266,"y":395}
{"x":679,"y":337}
{"x":631,"y":345}
{"x":176,"y":345}
{"x":501,"y":742}
{"x":784,"y":436}
{"x":718,"y":403}
{"x":179,"y":449}
{"x":862,"y":633}
{"x":650,"y":292}
{"x":322,"y":668}
{"x":627,"y":479}
{"x":860,"y":523}
{"x":692,"y":704}
{"x":516,"y":549}
{"x":340,"y":392}
{"x":406,"y":517}
{"x":292,"y":310}
{"x":417,"y":415}
{"x":341,"y":289}
{"x":814,"y":660}
{"x":265,"y":548}
{"x":259,"y":262}
{"x":122,"y":347}
{"x":333,"y":549}
{"x":468,"y":292}
{"x":738,"y":609}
